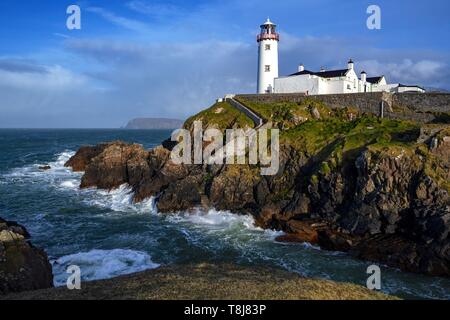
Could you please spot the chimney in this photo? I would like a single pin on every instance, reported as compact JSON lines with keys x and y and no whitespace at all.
{"x":363,"y":77}
{"x":350,"y":64}
{"x":301,"y":68}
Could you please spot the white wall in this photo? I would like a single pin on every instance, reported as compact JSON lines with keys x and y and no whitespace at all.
{"x":267,"y":57}
{"x":301,"y":83}
{"x":350,"y":83}
{"x":409,"y":89}
{"x":336,"y":85}
{"x":318,"y":85}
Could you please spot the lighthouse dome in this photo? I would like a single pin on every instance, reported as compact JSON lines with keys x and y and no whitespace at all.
{"x":268,"y":23}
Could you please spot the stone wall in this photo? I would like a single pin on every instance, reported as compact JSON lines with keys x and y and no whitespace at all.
{"x":421,"y":107}
{"x":257,"y":120}
{"x":423,"y":102}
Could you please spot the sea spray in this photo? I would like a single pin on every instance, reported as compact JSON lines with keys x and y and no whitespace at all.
{"x":102,"y":264}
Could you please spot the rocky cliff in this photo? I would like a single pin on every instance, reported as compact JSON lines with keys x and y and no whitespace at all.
{"x":22,"y":266}
{"x":376,"y":188}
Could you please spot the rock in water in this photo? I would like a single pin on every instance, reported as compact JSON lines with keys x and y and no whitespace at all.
{"x":22,"y":266}
{"x":84,"y":156}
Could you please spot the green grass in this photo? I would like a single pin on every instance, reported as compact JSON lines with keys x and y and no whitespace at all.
{"x":334,"y":139}
{"x":334,"y":142}
{"x":287,"y":115}
{"x":312,"y":136}
{"x":222,"y":116}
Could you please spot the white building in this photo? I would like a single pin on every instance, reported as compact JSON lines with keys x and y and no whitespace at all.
{"x":313,"y":83}
{"x":337,"y":81}
{"x":267,"y":57}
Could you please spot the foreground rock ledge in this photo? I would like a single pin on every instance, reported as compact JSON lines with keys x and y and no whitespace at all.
{"x":22,"y":266}
{"x":380,"y":204}
{"x":208,"y":282}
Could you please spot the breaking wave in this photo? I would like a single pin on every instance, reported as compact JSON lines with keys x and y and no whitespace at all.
{"x":102,"y":264}
{"x":218,"y":221}
{"x":56,"y":172}
{"x":120,"y":200}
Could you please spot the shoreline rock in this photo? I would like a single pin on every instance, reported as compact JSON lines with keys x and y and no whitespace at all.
{"x":379,"y":205}
{"x":23,"y":267}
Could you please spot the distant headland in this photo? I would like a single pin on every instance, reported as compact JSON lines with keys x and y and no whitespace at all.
{"x":154,"y":123}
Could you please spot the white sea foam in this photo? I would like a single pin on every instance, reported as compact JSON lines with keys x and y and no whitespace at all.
{"x":213,"y":217}
{"x":57,"y":170}
{"x":120,"y":200}
{"x":214,"y":220}
{"x":70,"y":184}
{"x":102,"y":264}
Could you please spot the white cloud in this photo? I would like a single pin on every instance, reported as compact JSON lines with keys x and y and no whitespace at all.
{"x":422,"y":72}
{"x":127,"y":23}
{"x":156,"y":10}
{"x":29,"y":76}
{"x":174,"y":80}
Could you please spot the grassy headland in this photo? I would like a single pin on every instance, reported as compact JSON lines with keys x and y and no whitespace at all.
{"x":209,"y":282}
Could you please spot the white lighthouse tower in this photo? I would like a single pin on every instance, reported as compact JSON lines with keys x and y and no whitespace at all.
{"x":267,"y":57}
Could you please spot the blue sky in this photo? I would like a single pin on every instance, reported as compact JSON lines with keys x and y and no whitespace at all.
{"x":139,"y":58}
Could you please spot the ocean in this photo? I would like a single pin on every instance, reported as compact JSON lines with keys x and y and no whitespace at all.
{"x":106,"y":235}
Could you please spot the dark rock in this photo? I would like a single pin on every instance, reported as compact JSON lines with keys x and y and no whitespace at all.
{"x":45,"y":168}
{"x":269,"y":217}
{"x":181,"y":195}
{"x":336,"y":241}
{"x":380,"y":197}
{"x":114,"y":165}
{"x":169,"y":144}
{"x":409,"y":256}
{"x":84,"y":156}
{"x":233,"y":189}
{"x":300,"y":231}
{"x":22,"y":266}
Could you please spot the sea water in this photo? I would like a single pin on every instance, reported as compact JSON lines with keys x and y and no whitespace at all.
{"x":107,"y":235}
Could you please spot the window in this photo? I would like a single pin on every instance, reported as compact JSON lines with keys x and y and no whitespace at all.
{"x":267,"y":68}
{"x":267,"y":47}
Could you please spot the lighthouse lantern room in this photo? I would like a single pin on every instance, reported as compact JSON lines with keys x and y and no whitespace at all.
{"x":268,"y":57}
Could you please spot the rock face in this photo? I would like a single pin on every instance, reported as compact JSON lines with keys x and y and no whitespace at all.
{"x":22,"y":266}
{"x":380,"y":204}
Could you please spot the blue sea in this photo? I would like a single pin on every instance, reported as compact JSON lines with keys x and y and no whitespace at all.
{"x":107,"y":235}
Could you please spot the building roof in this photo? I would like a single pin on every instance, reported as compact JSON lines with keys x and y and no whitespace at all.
{"x":332,"y":73}
{"x":374,"y":80}
{"x":323,"y":74}
{"x":268,"y":23}
{"x":410,"y":86}
{"x":302,"y":72}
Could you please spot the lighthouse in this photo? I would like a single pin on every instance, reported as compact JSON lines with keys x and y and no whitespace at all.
{"x":267,"y":57}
